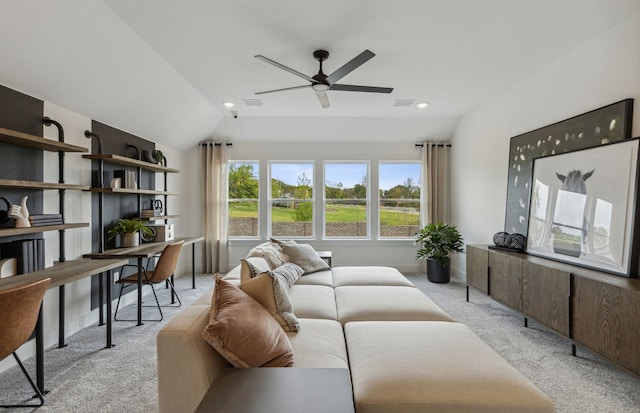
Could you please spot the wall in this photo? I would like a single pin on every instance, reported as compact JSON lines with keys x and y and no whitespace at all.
{"x":603,"y":71}
{"x":395,"y":253}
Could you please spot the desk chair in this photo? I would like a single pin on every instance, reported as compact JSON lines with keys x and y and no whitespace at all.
{"x":18,"y":316}
{"x":163,"y":271}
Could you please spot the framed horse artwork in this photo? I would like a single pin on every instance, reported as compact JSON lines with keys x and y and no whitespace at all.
{"x":584,"y":208}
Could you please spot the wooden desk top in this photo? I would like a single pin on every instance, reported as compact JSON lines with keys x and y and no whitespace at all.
{"x":279,"y":390}
{"x":63,"y":272}
{"x":144,"y":250}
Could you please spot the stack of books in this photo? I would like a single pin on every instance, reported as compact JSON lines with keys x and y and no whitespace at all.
{"x":150,"y":213}
{"x":41,"y":220}
{"x":29,"y":254}
{"x":127,"y":178}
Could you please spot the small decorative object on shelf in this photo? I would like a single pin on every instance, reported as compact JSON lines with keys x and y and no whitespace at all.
{"x":509,"y":242}
{"x":4,"y":214}
{"x":128,"y":229}
{"x":20,"y":213}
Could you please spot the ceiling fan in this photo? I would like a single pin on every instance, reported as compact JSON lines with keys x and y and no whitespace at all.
{"x":320,"y":82}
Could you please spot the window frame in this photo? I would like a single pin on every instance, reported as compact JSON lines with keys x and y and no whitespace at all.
{"x":229,"y":200}
{"x":367,"y":200}
{"x":418,"y":200}
{"x":271,"y":200}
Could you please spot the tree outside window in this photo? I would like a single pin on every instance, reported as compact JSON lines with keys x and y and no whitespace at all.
{"x":291,"y":199}
{"x":244,"y":200}
{"x":399,"y":199}
{"x":346,"y":206}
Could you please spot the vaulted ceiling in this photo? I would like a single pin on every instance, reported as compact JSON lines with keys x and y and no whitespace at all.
{"x":162,"y":68}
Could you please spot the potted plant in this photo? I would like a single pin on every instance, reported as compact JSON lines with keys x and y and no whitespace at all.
{"x":436,"y":243}
{"x":128,"y":229}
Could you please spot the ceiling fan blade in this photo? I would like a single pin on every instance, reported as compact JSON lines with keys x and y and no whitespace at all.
{"x":355,"y":88}
{"x":283,"y":67}
{"x":323,"y":98}
{"x":350,"y":66}
{"x":283,"y":89}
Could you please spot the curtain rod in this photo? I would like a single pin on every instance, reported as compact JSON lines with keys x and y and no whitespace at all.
{"x":214,"y":143}
{"x":440,"y":145}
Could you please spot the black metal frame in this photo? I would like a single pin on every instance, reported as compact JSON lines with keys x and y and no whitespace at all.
{"x":38,"y":394}
{"x":146,"y":282}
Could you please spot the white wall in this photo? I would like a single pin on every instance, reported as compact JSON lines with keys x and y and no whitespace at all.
{"x":603,"y":71}
{"x":396,"y":253}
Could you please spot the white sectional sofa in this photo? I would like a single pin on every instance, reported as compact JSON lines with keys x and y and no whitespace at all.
{"x":404,"y":353}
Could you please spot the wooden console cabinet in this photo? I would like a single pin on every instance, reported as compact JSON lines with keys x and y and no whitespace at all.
{"x":593,"y":309}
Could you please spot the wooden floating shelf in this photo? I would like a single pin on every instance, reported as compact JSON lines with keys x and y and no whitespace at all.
{"x":160,"y":217}
{"x":132,"y":191}
{"x":123,"y":160}
{"x":36,"y":142}
{"x":9,"y":232}
{"x":12,"y":183}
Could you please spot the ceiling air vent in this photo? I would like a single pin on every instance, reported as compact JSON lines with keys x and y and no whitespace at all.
{"x":252,"y":102}
{"x":403,"y":102}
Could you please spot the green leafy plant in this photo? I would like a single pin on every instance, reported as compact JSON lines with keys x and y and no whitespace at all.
{"x":129,"y":225}
{"x":438,"y":241}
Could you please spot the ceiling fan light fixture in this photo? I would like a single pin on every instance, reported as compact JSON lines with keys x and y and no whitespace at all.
{"x":320,"y":87}
{"x":422,"y":105}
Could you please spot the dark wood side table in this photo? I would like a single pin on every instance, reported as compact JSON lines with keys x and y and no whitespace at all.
{"x":279,"y":390}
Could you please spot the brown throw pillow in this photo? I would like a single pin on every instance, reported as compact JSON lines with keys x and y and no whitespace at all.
{"x":252,"y":267}
{"x":243,"y":332}
{"x":271,"y":293}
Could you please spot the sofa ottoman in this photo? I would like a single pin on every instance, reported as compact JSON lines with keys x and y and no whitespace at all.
{"x":385,"y":303}
{"x":368,"y":275}
{"x":425,"y":366}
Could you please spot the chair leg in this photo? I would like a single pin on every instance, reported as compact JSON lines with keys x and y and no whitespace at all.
{"x":157,"y":302}
{"x":173,"y":291}
{"x":38,"y":394}
{"x":115,"y":315}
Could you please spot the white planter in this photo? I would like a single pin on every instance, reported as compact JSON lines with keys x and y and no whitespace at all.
{"x":130,"y":239}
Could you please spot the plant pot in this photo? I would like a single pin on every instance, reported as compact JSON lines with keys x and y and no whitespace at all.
{"x":438,"y":273}
{"x":129,"y":239}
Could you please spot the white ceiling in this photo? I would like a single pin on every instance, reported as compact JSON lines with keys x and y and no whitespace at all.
{"x":162,"y":68}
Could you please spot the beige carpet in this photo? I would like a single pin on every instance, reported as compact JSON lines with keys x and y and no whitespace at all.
{"x":85,"y":377}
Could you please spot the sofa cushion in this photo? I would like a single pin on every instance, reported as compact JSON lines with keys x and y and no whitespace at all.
{"x":252,"y":267}
{"x":305,"y":256}
{"x":364,"y":275}
{"x":271,"y":252}
{"x":317,"y":278}
{"x":271,"y":292}
{"x":433,"y":367}
{"x":314,"y":301}
{"x":319,"y":344}
{"x":370,"y":303}
{"x":243,"y":332}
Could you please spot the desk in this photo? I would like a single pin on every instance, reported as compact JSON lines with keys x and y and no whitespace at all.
{"x":61,"y":273}
{"x":279,"y":390}
{"x":146,"y":250}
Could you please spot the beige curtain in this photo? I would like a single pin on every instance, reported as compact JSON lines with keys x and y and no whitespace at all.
{"x":215,"y":159}
{"x":436,"y":196}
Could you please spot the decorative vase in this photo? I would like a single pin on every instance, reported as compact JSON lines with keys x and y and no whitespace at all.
{"x":438,"y":273}
{"x":129,"y":239}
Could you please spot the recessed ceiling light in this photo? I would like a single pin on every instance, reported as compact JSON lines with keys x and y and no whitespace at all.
{"x":228,"y":104}
{"x":423,"y":105}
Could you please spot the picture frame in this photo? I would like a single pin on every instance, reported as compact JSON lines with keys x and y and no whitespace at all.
{"x":584,"y":208}
{"x":608,"y":124}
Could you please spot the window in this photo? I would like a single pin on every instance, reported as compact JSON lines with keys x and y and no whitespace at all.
{"x":346,"y":206}
{"x":399,"y":199}
{"x":291,"y":199}
{"x":244,"y":199}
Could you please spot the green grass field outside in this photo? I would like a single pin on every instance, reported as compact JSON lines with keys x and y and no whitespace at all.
{"x":335,"y":213}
